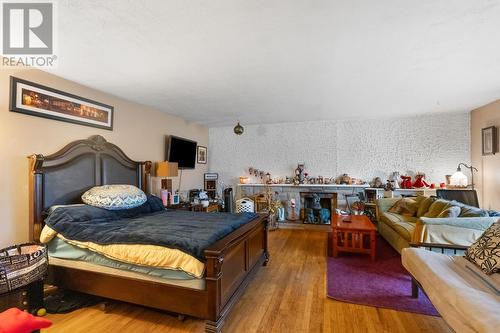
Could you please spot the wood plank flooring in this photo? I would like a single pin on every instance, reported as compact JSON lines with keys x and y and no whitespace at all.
{"x":289,"y":295}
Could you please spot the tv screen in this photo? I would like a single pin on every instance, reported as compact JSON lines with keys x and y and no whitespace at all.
{"x":182,"y":151}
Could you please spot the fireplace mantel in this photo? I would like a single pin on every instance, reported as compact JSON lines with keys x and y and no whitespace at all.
{"x":287,"y":192}
{"x":305,"y":186}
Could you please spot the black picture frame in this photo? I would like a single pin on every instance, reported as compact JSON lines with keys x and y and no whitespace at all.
{"x":41,"y":101}
{"x":489,"y":140}
{"x":201,"y":154}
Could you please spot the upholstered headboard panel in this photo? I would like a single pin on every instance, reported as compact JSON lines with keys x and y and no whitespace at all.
{"x":62,"y":178}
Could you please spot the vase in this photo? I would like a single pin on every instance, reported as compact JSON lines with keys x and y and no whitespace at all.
{"x":273,"y":222}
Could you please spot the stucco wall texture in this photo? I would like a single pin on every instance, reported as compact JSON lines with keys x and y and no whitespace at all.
{"x":365,"y":149}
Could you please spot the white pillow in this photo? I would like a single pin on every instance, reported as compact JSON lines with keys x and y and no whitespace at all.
{"x":114,"y":197}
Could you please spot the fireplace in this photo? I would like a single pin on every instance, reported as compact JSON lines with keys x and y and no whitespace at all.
{"x":317,"y":207}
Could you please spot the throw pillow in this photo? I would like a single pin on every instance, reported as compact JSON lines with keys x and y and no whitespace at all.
{"x":405,"y":207}
{"x":114,"y":197}
{"x":469,"y":211}
{"x":453,"y":211}
{"x":437,"y":207}
{"x":485,"y":252}
{"x":396,"y":208}
{"x":423,"y":204}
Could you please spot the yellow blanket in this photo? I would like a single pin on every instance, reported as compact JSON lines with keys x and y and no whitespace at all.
{"x":137,"y":254}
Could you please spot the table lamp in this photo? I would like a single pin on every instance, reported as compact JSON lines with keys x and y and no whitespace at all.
{"x":458,"y":179}
{"x":165,"y":170}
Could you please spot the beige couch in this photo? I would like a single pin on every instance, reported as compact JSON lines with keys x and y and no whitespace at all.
{"x":400,"y":230}
{"x":467,"y":298}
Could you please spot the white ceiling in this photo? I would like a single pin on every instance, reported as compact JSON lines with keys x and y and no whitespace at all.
{"x":264,"y":61}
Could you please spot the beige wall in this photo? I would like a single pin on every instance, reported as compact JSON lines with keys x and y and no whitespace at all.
{"x":138,"y":130}
{"x":488,"y":180}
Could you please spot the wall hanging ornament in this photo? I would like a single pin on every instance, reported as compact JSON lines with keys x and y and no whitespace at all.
{"x":238,"y":129}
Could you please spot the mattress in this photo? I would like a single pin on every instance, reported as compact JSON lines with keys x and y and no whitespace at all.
{"x":64,"y":254}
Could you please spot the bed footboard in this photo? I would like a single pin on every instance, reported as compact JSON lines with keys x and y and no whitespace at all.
{"x":231,"y":263}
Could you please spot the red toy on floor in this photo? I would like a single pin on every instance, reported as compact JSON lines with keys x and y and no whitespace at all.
{"x":14,"y":320}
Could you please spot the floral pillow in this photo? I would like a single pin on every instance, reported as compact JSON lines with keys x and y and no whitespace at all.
{"x":114,"y":197}
{"x":485,"y":252}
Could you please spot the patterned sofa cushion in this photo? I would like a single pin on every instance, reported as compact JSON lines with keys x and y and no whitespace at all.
{"x":114,"y":197}
{"x":485,"y":252}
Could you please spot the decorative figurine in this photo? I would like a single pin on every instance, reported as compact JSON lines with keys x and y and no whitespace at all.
{"x":300,"y":173}
{"x":316,"y":201}
{"x":268,"y":178}
{"x":420,"y":180}
{"x":377,"y":183}
{"x":406,"y":183}
{"x":345,"y":179}
{"x":389,"y":186}
{"x":395,"y":178}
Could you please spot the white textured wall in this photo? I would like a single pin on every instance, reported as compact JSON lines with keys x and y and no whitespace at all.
{"x":433,"y":144}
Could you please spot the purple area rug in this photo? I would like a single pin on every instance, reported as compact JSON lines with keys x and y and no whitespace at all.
{"x":384,"y":283}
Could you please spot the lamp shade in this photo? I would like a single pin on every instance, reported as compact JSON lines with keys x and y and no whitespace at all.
{"x":166,"y":169}
{"x":458,"y":179}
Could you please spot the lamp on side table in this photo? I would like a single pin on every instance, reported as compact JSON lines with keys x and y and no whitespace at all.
{"x":165,"y":170}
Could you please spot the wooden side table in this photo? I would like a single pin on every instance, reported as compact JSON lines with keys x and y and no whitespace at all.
{"x":357,"y":236}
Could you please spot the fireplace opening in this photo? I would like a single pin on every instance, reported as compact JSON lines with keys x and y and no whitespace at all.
{"x":317,"y":208}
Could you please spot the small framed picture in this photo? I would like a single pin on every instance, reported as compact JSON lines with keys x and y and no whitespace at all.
{"x":202,"y":155}
{"x":490,"y":140}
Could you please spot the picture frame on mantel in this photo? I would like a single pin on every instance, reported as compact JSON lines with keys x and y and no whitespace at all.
{"x":202,"y":155}
{"x":37,"y":100}
{"x":489,"y":140}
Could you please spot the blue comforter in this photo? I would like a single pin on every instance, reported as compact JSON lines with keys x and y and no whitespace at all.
{"x":190,"y":232}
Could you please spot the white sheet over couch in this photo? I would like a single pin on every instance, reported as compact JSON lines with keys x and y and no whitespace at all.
{"x":467,"y":298}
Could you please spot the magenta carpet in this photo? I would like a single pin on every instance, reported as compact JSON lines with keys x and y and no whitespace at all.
{"x":384,"y":283}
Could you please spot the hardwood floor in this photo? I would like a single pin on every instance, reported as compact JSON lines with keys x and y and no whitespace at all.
{"x":289,"y":295}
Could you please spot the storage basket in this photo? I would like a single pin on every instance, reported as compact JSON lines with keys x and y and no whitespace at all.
{"x":21,"y":265}
{"x":244,"y":205}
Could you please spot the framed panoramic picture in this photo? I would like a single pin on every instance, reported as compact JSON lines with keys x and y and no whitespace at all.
{"x":490,"y":140}
{"x":37,"y":100}
{"x":202,"y":155}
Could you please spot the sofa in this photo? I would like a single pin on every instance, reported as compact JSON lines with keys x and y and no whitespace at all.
{"x":467,"y":298}
{"x":431,"y":220}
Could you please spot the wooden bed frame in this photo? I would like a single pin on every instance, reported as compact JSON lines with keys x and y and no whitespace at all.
{"x":61,"y":178}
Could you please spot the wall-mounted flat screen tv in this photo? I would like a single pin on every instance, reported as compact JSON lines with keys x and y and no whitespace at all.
{"x":182,"y":151}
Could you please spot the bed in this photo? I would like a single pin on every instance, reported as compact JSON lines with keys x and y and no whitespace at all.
{"x":231,"y":262}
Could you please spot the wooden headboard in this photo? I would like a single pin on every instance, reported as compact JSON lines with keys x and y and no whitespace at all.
{"x":61,"y":178}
